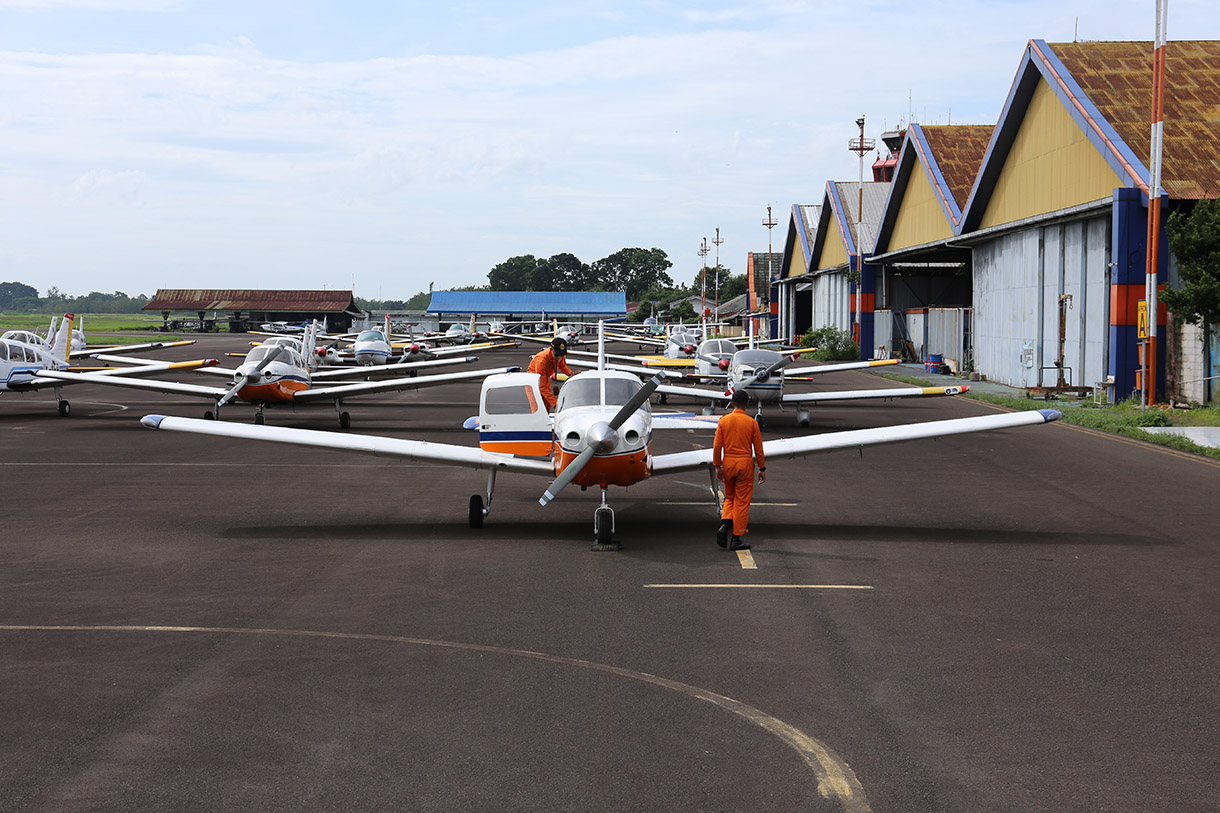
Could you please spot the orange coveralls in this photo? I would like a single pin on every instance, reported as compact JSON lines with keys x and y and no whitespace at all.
{"x":546,"y":365}
{"x":737,"y":445}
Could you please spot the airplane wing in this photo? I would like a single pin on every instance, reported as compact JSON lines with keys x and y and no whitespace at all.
{"x":393,"y":385}
{"x":411,"y":450}
{"x":804,"y":446}
{"x":627,"y":368}
{"x":684,"y":420}
{"x":128,"y":348}
{"x":117,"y":380}
{"x":834,"y":368}
{"x":858,"y":395}
{"x":664,"y":361}
{"x":695,"y":392}
{"x":397,"y":368}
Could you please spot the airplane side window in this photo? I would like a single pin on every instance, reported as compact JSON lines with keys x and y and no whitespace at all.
{"x":3,"y":351}
{"x":509,"y":401}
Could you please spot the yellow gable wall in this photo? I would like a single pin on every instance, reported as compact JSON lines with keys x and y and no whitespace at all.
{"x":1051,"y":166}
{"x":833,"y":254}
{"x":920,"y":218}
{"x":796,"y":262}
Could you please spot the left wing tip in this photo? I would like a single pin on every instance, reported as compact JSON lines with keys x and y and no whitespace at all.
{"x":152,"y":421}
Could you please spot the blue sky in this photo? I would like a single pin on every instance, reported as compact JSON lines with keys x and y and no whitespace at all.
{"x":384,"y":146}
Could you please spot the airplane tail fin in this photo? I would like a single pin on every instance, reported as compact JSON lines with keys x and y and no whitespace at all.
{"x":61,"y":345}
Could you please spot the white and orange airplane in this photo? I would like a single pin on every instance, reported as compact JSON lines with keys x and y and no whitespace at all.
{"x":599,"y":436}
{"x":281,"y":373}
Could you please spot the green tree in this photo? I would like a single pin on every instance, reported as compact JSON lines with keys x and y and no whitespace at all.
{"x":1194,"y":238}
{"x":514,"y":274}
{"x":633,"y":271}
{"x":13,"y":293}
{"x":561,"y":272}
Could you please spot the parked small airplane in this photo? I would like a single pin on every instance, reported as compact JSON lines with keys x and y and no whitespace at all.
{"x":24,"y":362}
{"x":379,"y":347}
{"x":281,"y":373}
{"x":600,"y":435}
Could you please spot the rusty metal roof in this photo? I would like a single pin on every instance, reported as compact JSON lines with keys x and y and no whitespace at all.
{"x":958,"y":150}
{"x":203,"y":299}
{"x":1117,"y":78}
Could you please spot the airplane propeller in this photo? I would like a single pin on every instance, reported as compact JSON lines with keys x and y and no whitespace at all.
{"x":760,"y":376}
{"x":249,"y":377}
{"x":601,"y":437}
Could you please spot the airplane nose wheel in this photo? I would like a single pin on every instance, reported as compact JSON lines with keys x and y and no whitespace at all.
{"x":603,"y":527}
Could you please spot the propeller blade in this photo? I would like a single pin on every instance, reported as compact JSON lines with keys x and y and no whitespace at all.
{"x":636,"y":401}
{"x":766,"y":372}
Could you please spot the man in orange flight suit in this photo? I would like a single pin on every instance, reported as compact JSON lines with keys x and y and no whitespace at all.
{"x":547,"y":364}
{"x":737,"y":446}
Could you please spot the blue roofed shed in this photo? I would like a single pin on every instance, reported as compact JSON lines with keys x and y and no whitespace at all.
{"x":530,"y":303}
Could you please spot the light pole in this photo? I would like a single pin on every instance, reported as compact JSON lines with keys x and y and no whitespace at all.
{"x":770,"y":223}
{"x":717,"y":241}
{"x":703,"y":251}
{"x":860,"y":146}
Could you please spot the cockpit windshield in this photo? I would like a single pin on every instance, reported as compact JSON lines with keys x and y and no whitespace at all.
{"x":268,"y":353}
{"x":755,"y":358}
{"x":370,"y":336}
{"x":578,"y":392}
{"x":717,"y":347}
{"x":620,"y":390}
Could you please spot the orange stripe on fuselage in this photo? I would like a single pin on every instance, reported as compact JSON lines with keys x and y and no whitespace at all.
{"x":625,"y":469}
{"x":528,"y":448}
{"x":278,"y":392}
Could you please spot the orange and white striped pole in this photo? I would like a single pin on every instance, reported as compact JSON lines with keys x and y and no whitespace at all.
{"x":1154,"y":201}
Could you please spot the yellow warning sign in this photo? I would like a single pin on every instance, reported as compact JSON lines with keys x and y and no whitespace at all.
{"x":1143,"y":319}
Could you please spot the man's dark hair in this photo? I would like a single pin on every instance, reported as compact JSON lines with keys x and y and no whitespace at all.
{"x":741,"y":398}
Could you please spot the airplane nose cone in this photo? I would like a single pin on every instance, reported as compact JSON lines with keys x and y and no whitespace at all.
{"x":601,"y":438}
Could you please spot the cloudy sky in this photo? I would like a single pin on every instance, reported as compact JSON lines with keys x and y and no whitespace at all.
{"x":383,"y":146}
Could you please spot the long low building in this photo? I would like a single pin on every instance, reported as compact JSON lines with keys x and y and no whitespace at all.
{"x":247,"y":309}
{"x":579,"y":305}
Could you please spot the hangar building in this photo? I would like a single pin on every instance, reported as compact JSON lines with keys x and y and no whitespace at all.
{"x":247,"y":309}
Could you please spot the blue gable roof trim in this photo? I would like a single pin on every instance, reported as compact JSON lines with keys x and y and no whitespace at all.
{"x":530,"y":303}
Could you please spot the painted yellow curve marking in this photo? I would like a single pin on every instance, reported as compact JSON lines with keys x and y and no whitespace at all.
{"x":836,"y":780}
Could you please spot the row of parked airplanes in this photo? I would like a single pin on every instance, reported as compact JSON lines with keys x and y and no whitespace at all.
{"x":599,"y":435}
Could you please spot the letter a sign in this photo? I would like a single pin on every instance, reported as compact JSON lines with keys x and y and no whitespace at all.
{"x":1143,"y":319}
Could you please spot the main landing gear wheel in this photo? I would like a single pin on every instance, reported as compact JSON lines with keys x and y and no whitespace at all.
{"x":345,"y":420}
{"x":209,"y":416}
{"x":476,"y":510}
{"x":65,"y":409}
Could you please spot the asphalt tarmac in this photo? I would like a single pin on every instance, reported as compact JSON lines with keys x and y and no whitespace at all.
{"x":1022,"y":620}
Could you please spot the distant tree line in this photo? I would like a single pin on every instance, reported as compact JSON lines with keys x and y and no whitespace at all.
{"x":17,"y":296}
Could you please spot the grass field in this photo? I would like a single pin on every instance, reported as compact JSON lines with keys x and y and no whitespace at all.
{"x":100,"y":328}
{"x":1124,"y":418}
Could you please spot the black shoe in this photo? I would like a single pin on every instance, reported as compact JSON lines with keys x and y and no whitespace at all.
{"x":737,"y":544}
{"x":722,"y":534}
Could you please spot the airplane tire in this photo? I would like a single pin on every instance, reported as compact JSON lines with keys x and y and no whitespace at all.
{"x":476,"y":510}
{"x":259,"y":420}
{"x":65,"y":409}
{"x":209,"y":416}
{"x":345,"y":420}
{"x":602,"y":531}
